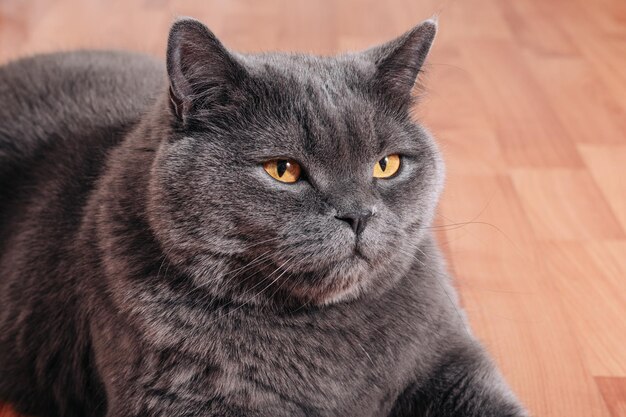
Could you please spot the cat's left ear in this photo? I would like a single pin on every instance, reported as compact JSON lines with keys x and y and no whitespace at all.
{"x":202,"y":72}
{"x":399,"y":61}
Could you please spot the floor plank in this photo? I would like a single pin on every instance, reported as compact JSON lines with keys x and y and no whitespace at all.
{"x":614,"y":393}
{"x":566,"y":205}
{"x":607,"y":165}
{"x":512,"y":303}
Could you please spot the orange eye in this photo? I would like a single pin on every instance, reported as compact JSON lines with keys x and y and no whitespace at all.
{"x":387,"y":167}
{"x":283,"y":170}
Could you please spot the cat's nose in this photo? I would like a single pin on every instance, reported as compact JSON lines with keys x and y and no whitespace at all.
{"x":356,"y":220}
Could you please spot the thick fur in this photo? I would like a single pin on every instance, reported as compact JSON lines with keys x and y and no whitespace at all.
{"x":150,"y":267}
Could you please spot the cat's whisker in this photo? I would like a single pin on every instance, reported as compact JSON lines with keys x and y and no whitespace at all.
{"x":253,"y":245}
{"x":443,"y":288}
{"x":271,"y":283}
{"x":252,"y":298}
{"x":265,"y":279}
{"x":276,"y":291}
{"x":433,"y":271}
{"x":264,"y":257}
{"x":165,"y":258}
{"x":297,"y":264}
{"x":259,"y":259}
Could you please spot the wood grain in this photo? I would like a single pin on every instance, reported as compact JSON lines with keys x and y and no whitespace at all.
{"x":528,"y":100}
{"x":614,"y":393}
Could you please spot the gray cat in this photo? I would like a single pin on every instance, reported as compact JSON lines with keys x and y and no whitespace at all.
{"x":250,"y":238}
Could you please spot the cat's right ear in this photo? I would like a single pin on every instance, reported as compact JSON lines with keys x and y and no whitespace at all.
{"x":202,"y":73}
{"x":399,"y":62}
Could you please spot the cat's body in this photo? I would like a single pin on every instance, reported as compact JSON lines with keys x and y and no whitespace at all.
{"x":53,"y":147}
{"x":112,"y":305}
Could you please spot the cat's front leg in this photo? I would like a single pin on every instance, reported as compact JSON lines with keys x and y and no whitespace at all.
{"x":464,"y":384}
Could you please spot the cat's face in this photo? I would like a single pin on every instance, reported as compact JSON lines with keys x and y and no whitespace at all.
{"x":293,"y":176}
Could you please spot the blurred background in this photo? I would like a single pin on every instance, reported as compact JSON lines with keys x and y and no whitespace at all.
{"x":528,"y":101}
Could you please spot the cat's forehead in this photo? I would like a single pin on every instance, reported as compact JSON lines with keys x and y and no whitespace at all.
{"x":315,"y":74}
{"x":323,"y":98}
{"x":322,"y":109}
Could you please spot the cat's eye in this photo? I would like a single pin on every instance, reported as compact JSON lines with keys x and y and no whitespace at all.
{"x":283,"y":170}
{"x":387,"y":167}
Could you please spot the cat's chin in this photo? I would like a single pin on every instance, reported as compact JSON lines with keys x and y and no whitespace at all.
{"x":328,"y":296}
{"x":342,"y":281}
{"x":346,"y":295}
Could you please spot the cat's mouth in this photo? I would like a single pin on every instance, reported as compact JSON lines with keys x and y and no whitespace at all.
{"x":332,"y":276}
{"x":358,"y":254}
{"x":347,"y":259}
{"x":356,"y":259}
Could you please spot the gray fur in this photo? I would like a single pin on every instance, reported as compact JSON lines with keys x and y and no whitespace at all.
{"x":150,"y":267}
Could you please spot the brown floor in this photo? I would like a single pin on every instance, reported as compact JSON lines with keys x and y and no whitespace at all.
{"x":528,"y":100}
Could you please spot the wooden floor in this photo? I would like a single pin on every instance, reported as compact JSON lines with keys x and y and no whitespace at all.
{"x":528,"y":100}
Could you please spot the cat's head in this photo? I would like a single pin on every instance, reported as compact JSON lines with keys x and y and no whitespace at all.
{"x":293,"y":176}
